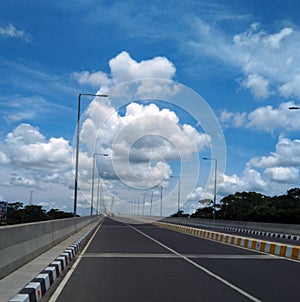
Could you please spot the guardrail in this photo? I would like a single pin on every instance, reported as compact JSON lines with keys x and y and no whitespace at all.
{"x":291,"y":229}
{"x":21,"y":243}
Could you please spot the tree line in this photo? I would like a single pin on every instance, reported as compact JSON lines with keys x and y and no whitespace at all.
{"x":252,"y":206}
{"x":16,"y":214}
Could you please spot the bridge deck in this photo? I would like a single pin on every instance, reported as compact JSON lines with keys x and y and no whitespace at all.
{"x":132,"y":262}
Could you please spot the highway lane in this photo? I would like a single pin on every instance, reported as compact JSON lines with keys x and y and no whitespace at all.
{"x":131,"y":262}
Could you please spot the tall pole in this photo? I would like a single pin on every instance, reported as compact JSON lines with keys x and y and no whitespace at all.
{"x":77,"y":155}
{"x":161,"y":188}
{"x":98,"y":191}
{"x":178,"y":193}
{"x":77,"y":146}
{"x":93,"y":176}
{"x":93,"y":180}
{"x":144,"y":203}
{"x":215,"y":184}
{"x":215,"y":189}
{"x":151,"y":200}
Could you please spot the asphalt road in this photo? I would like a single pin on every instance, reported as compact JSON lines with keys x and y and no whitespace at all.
{"x":134,"y":262}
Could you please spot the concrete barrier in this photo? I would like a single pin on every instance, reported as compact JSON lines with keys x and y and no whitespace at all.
{"x":36,"y":289}
{"x":21,"y":243}
{"x":292,"y":229}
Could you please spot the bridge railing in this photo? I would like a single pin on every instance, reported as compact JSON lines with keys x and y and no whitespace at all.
{"x":292,"y":229}
{"x":21,"y":243}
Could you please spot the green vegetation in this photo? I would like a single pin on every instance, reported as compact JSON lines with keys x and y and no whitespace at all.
{"x":31,"y":213}
{"x":251,"y":206}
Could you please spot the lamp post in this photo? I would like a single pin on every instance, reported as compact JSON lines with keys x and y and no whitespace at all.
{"x":151,"y":200}
{"x":161,"y":189}
{"x":93,"y":179}
{"x":144,"y":203}
{"x":215,"y":184}
{"x":77,"y":145}
{"x":178,"y":196}
{"x":294,"y":108}
{"x":98,"y":192}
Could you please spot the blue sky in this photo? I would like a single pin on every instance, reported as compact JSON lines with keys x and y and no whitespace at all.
{"x":240,"y":56}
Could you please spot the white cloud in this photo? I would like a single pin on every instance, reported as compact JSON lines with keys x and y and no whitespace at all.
{"x":287,"y":154}
{"x":265,"y":118}
{"x":96,"y":79}
{"x":123,"y":68}
{"x":273,"y":173}
{"x":257,"y":85}
{"x":154,"y":135}
{"x":250,"y":180}
{"x":276,"y":39}
{"x":291,"y":88}
{"x":140,"y":142}
{"x":25,"y":146}
{"x":283,"y":174}
{"x":20,"y":180}
{"x":269,"y":61}
{"x":10,"y":31}
{"x":4,"y":159}
{"x":233,"y":119}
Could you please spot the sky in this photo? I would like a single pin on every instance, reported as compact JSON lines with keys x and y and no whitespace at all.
{"x":185,"y":80}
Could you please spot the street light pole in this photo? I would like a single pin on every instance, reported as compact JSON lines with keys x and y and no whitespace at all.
{"x":93,"y":180}
{"x":151,"y":200}
{"x":77,"y":146}
{"x":98,"y":192}
{"x":178,"y":197}
{"x":215,"y":184}
{"x":161,"y":189}
{"x":144,"y":203}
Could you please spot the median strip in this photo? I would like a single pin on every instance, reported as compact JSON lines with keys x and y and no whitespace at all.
{"x":273,"y":248}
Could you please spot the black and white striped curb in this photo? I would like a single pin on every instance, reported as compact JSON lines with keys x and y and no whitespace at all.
{"x":245,"y":231}
{"x":37,"y":287}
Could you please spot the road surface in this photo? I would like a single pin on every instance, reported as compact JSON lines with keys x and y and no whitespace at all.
{"x":140,"y":262}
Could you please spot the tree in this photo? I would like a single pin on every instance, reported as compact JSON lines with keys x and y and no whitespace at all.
{"x":33,"y":213}
{"x":252,"y":206}
{"x":206,"y":211}
{"x":57,"y":214}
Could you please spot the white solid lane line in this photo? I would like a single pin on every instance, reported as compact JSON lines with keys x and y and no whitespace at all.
{"x":72,"y":269}
{"x":239,"y":290}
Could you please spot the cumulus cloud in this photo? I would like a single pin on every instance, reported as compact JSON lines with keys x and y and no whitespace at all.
{"x":258,"y":85}
{"x":95,"y":79}
{"x":20,"y":180}
{"x":230,"y":119}
{"x":291,"y":88}
{"x":124,"y":68}
{"x":265,"y":174}
{"x":141,"y":141}
{"x":25,"y":146}
{"x":283,"y":174}
{"x":250,"y":180}
{"x":287,"y":154}
{"x":264,"y":118}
